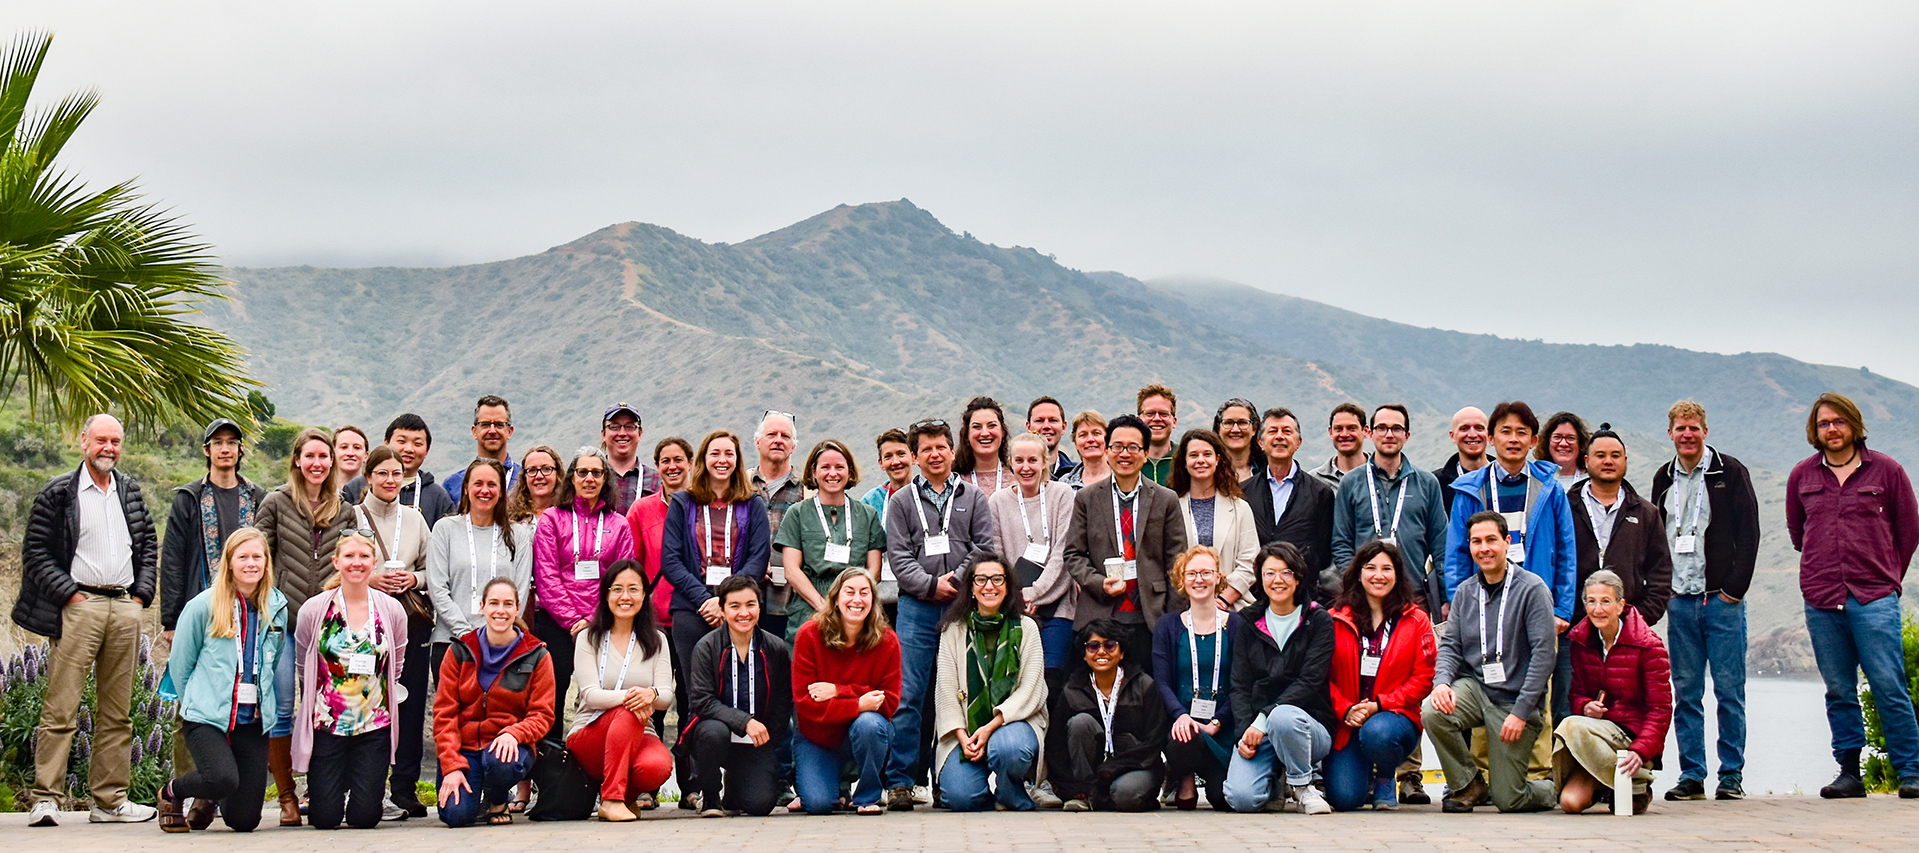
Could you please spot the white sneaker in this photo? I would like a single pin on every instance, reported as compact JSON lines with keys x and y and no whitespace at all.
{"x":127,"y":812}
{"x":1311,"y":801}
{"x":923,"y":795}
{"x":389,"y":811}
{"x":44,"y":813}
{"x":1044,"y":797}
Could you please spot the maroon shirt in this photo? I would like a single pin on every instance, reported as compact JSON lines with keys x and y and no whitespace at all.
{"x":1856,"y":539}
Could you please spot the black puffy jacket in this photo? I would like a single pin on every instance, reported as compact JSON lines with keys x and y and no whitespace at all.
{"x":46,"y":557}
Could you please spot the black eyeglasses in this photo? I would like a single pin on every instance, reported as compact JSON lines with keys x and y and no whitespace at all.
{"x":989,"y":580}
{"x":1097,"y":646}
{"x":492,"y":424}
{"x":1391,"y":429}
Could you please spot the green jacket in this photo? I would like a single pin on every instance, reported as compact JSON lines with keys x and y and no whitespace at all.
{"x":204,"y":669}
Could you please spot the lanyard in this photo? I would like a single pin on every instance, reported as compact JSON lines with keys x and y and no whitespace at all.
{"x":1045,"y":526}
{"x":599,"y":536}
{"x":999,"y":475}
{"x":726,"y":533}
{"x":632,"y":642}
{"x":418,"y":488}
{"x":1490,"y":493}
{"x":751,"y":698}
{"x":1192,"y":639}
{"x":946,"y":518}
{"x":1385,"y":633}
{"x":1499,"y":644}
{"x":1372,"y":489}
{"x":399,"y":528}
{"x":241,"y":632}
{"x":1119,"y":537}
{"x":1108,"y":708}
{"x":827,"y":528}
{"x":493,"y":559}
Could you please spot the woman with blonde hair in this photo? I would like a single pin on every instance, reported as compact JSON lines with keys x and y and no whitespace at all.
{"x":846,"y":688}
{"x":232,"y":694}
{"x":1192,"y":666}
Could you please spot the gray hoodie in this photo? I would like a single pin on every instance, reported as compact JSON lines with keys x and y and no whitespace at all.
{"x":1530,"y":646}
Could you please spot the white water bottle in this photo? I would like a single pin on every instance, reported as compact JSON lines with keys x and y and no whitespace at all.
{"x":1621,"y":786}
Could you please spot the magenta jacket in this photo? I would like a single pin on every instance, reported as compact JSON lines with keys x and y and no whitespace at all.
{"x":1636,"y":677}
{"x":1855,"y":539}
{"x":561,"y":596}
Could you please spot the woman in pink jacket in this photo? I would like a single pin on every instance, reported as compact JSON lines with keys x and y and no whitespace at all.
{"x":575,"y":540}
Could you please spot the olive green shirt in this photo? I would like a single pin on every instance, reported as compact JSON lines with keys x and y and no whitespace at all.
{"x":801,"y":529}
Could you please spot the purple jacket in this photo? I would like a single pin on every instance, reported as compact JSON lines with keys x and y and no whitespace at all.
{"x":1854,"y":539}
{"x":565,"y":598}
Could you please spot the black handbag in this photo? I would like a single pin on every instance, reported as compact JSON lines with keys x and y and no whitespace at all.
{"x":566,"y":791}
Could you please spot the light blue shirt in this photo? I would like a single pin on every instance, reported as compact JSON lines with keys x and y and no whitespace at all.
{"x":1688,"y":570}
{"x":1282,"y":491}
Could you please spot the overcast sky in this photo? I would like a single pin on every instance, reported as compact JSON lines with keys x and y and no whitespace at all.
{"x":1731,"y":176}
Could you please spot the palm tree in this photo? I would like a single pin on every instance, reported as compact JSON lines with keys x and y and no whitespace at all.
{"x":98,"y":291}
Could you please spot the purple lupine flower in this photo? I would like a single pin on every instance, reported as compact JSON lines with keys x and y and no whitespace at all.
{"x":85,"y":724}
{"x":73,"y":784}
{"x":146,"y":650}
{"x":139,"y":752}
{"x":153,"y":740}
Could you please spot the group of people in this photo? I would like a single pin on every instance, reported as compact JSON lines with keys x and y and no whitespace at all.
{"x":996,"y":625}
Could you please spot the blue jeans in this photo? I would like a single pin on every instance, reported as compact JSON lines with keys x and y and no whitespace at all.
{"x":1704,"y":632}
{"x":1373,"y":752}
{"x":1056,"y":638}
{"x":1011,"y":753}
{"x":492,"y":781}
{"x":816,"y":769}
{"x":1294,"y":739}
{"x":918,"y":631}
{"x":1866,"y":637}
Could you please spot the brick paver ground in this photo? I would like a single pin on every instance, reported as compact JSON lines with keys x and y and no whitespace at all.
{"x":1791,"y":823}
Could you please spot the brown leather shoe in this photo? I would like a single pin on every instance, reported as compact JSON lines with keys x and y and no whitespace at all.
{"x":200,"y":816}
{"x":171,"y":820}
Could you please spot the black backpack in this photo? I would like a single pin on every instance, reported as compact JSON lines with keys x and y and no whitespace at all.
{"x":566,"y":791}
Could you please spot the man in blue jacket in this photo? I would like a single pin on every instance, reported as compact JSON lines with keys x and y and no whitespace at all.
{"x":1537,"y":514}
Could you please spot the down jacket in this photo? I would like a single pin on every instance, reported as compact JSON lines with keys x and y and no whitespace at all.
{"x":299,"y":569}
{"x":46,"y":556}
{"x":1636,"y":676}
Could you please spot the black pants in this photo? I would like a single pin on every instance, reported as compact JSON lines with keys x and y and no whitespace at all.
{"x":228,"y":768}
{"x":1195,"y":758}
{"x":559,"y":650}
{"x":344,"y":776}
{"x":412,"y":746}
{"x":688,"y":628}
{"x":752,"y":781}
{"x":1134,"y":791}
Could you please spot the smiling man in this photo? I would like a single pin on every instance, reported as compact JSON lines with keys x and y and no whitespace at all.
{"x":492,"y":428}
{"x":779,"y":485}
{"x":1347,"y":428}
{"x":1390,"y":498}
{"x":1616,"y":529}
{"x":620,"y":432}
{"x":1469,"y":434}
{"x":1290,"y":505}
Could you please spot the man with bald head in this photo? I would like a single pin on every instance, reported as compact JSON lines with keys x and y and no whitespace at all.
{"x":88,"y":567}
{"x":1469,"y":434}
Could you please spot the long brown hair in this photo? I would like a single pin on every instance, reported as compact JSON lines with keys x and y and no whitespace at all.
{"x":1352,"y":593}
{"x":833,"y":630}
{"x":225,"y":588}
{"x":738,"y":489}
{"x":329,"y":496}
{"x":519,"y":507}
{"x":1223,"y":480}
{"x":499,"y":507}
{"x":1847,"y":411}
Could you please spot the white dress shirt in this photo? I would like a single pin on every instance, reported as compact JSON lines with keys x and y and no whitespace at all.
{"x":103,"y":556}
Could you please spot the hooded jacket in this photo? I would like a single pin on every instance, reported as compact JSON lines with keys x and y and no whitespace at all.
{"x":1636,"y":677}
{"x":520,"y":702}
{"x":1405,"y":674}
{"x":53,"y":532}
{"x":1550,"y":549}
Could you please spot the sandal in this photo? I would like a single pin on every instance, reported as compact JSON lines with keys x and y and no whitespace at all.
{"x":517,"y":806}
{"x":171,"y":818}
{"x":871,"y":810}
{"x":647,"y":803}
{"x":502,"y":817}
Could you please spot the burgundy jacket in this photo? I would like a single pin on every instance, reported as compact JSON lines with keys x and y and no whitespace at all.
{"x":1637,"y":679}
{"x":1854,"y":539}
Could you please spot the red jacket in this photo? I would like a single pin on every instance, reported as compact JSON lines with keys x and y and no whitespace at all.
{"x":521,"y":700}
{"x":647,"y":518}
{"x":855,"y":672}
{"x":1405,"y":672}
{"x":1637,"y":678}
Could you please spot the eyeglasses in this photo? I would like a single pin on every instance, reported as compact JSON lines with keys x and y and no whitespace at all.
{"x":1235,"y":423}
{"x":590,"y":473}
{"x":929,"y":422}
{"x":1156,"y":416}
{"x":1201,"y":573}
{"x":542,"y":471}
{"x":989,"y":580}
{"x":622,"y":428}
{"x":1288,"y":573}
{"x":1097,"y":646}
{"x":387,"y":475}
{"x":1126,"y":448}
{"x":1832,"y":424}
{"x":772,"y":412}
{"x":1391,"y":429}
{"x":493,"y":424}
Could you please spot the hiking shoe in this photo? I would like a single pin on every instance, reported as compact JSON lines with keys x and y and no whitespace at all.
{"x":1687,"y":789}
{"x":899,"y":799}
{"x":1464,"y":800}
{"x":1729,"y":788}
{"x":389,"y":811}
{"x":1846,"y":787}
{"x":1412,"y":790}
{"x":1909,"y":790}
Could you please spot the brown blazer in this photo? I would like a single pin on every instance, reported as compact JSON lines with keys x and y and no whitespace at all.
{"x":1160,"y":536}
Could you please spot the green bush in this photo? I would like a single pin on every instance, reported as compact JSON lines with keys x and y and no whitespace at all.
{"x":1877,"y":768}
{"x":23,"y":690}
{"x":277,"y":439}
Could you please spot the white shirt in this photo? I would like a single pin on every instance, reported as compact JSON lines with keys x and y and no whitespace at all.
{"x":103,"y":556}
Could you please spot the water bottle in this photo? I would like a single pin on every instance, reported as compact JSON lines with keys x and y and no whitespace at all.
{"x":1621,"y":786}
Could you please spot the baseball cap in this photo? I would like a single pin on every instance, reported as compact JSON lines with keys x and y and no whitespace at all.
{"x":617,"y":408}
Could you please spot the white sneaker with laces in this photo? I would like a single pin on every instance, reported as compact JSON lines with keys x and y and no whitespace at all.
{"x":1311,"y":801}
{"x":44,"y":813}
{"x":127,"y":811}
{"x":923,"y":795}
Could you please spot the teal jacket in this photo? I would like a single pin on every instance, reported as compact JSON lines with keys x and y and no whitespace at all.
{"x":204,"y":669}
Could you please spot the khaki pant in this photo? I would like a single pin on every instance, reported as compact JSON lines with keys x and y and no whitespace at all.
{"x":100,"y":636}
{"x":1593,"y":745}
{"x":1506,"y":776}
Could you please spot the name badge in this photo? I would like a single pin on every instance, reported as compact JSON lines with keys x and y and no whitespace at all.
{"x":1492,"y":672}
{"x":841,"y":554}
{"x":1516,"y":554}
{"x":1204,"y":710}
{"x":359,"y":664}
{"x":1515,"y":521}
{"x":1685,"y":544}
{"x":247,"y":694}
{"x":1390,"y":540}
{"x":743,"y":739}
{"x":1036,"y":553}
{"x":937,"y":546}
{"x":716,"y":574}
{"x":1368,"y":665}
{"x":586,"y":570}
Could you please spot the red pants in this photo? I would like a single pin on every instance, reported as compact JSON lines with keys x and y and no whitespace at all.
{"x":618,"y":750}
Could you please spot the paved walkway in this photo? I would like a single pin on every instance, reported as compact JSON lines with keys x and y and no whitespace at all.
{"x":1790,"y":823}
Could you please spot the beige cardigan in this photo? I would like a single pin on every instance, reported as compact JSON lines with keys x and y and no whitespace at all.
{"x":1028,"y":702}
{"x":1235,"y":536}
{"x":1055,"y":583}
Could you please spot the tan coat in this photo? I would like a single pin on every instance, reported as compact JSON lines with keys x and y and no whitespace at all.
{"x":1235,"y":537}
{"x":299,"y":569}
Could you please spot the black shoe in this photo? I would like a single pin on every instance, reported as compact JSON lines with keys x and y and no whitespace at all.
{"x":1475,"y":793}
{"x":899,"y":800}
{"x":411,"y":805}
{"x":1846,"y":786}
{"x":1729,"y":789}
{"x":1412,"y":790}
{"x":1909,"y":790}
{"x":1687,"y":789}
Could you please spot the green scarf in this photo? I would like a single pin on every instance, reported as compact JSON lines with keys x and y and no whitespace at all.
{"x":992,"y":666}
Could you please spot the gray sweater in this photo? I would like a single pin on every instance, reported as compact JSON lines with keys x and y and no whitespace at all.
{"x":971,"y":535}
{"x":1530,"y":646}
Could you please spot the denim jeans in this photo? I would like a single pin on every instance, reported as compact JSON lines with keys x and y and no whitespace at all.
{"x":918,"y":631}
{"x":1703,"y":633}
{"x":491,"y":781}
{"x":1373,"y":752}
{"x":1293,"y":739}
{"x":816,"y":769}
{"x":1866,"y":637}
{"x":1056,"y":638}
{"x":1011,"y":753}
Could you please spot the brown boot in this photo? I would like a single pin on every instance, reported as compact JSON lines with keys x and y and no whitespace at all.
{"x":280,"y":761}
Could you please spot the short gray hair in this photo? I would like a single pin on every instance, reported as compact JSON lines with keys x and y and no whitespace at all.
{"x":1606,"y":578}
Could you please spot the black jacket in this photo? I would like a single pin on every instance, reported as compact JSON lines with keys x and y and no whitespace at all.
{"x":1266,"y":676}
{"x":1306,"y":525}
{"x":1140,"y":726}
{"x":1637,"y":552}
{"x":772,"y":687}
{"x":46,"y":557}
{"x":184,"y":572}
{"x":1732,"y":534}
